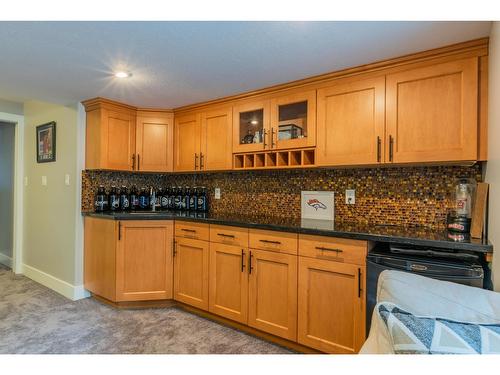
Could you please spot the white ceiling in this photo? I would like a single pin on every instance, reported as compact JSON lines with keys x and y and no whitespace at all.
{"x":179,"y":63}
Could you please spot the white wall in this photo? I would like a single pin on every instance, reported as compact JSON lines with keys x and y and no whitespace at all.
{"x":493,"y":165}
{"x":52,"y":254}
{"x":7,"y":139}
{"x":11,"y":107}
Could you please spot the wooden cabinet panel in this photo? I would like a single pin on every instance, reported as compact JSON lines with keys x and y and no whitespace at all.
{"x":351,"y":122}
{"x":293,"y":120}
{"x":229,"y":235}
{"x":331,"y":314}
{"x":144,"y":269}
{"x":191,"y":269}
{"x":99,"y":257}
{"x":154,"y":142}
{"x":196,"y":231}
{"x":281,"y":242}
{"x":228,"y":295}
{"x":432,"y":113}
{"x":120,"y":140}
{"x":273,"y":293}
{"x":187,"y":142}
{"x":342,"y":250}
{"x":216,"y":140}
{"x":251,"y":119}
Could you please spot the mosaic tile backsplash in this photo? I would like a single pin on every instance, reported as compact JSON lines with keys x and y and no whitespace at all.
{"x":405,"y":196}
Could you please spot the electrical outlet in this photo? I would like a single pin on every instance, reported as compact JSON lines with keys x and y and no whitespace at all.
{"x":350,"y":196}
{"x":217,"y":193}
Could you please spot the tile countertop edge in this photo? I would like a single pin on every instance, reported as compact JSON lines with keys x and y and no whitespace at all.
{"x":388,"y":238}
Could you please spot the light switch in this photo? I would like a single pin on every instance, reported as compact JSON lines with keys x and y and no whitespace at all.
{"x":66,"y":179}
{"x":26,"y":181}
{"x":44,"y":180}
{"x":217,"y":193}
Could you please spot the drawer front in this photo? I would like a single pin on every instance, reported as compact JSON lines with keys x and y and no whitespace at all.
{"x":331,"y":248}
{"x":229,"y":235}
{"x":280,"y":242}
{"x":195,"y":231}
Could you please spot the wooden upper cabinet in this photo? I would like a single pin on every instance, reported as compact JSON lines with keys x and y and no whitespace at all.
{"x":251,"y":126}
{"x":216,"y":140}
{"x":293,"y":120}
{"x":187,"y":137}
{"x":331,"y":313}
{"x":154,"y":141}
{"x":110,"y":135}
{"x":432,"y":113}
{"x":351,"y":122}
{"x":144,"y":269}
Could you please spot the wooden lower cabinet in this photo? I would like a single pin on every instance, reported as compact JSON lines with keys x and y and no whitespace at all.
{"x":331,"y":301}
{"x":272,"y":292}
{"x":228,"y":296}
{"x":191,"y":272}
{"x":144,"y":261}
{"x":128,"y":261}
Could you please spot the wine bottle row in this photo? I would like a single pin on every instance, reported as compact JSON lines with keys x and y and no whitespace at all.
{"x":151,"y":199}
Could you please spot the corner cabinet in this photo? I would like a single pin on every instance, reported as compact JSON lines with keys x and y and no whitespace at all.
{"x":128,"y":260}
{"x":432,"y":113}
{"x":110,"y":135}
{"x":154,"y":141}
{"x":123,"y":138}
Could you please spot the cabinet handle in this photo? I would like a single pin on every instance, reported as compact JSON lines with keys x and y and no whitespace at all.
{"x":174,"y":248}
{"x":201,"y":160}
{"x":119,"y":230}
{"x":242,"y":260}
{"x":379,"y":149}
{"x":272,"y":138}
{"x":269,"y":241}
{"x":264,"y":137}
{"x":391,"y":148}
{"x":195,"y":161}
{"x":327,"y":249}
{"x":133,"y":162}
{"x":250,"y":268}
{"x":359,"y":283}
{"x":188,"y":230}
{"x":226,"y":235}
{"x":138,"y":161}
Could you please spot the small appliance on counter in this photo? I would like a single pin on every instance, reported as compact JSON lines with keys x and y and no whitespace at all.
{"x":459,"y":217}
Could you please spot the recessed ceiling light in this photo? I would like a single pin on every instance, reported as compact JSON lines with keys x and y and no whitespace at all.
{"x":123,"y":74}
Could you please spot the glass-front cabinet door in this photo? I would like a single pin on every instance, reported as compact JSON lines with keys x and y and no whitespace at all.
{"x":293,"y":121}
{"x":251,"y":130}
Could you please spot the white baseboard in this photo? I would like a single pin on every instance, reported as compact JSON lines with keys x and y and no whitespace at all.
{"x":6,"y":260}
{"x":73,"y":292}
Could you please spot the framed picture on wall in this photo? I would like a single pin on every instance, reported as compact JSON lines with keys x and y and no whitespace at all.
{"x":46,"y":142}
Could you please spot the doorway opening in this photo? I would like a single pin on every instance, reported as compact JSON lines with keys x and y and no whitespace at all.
{"x":7,"y":175}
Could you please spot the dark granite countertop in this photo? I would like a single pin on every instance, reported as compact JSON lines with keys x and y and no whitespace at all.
{"x":379,"y":233}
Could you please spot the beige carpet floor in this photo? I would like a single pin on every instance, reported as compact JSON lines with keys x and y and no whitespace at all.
{"x":35,"y":319}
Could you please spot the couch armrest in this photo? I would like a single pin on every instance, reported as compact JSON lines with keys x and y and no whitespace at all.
{"x":428,"y":297}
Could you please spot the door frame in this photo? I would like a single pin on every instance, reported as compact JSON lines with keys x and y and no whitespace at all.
{"x":17,"y":248}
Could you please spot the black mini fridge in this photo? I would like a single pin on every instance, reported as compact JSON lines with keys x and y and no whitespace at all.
{"x":462,"y":268}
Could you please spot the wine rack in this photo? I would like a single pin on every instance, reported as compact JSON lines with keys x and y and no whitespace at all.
{"x":275,"y":159}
